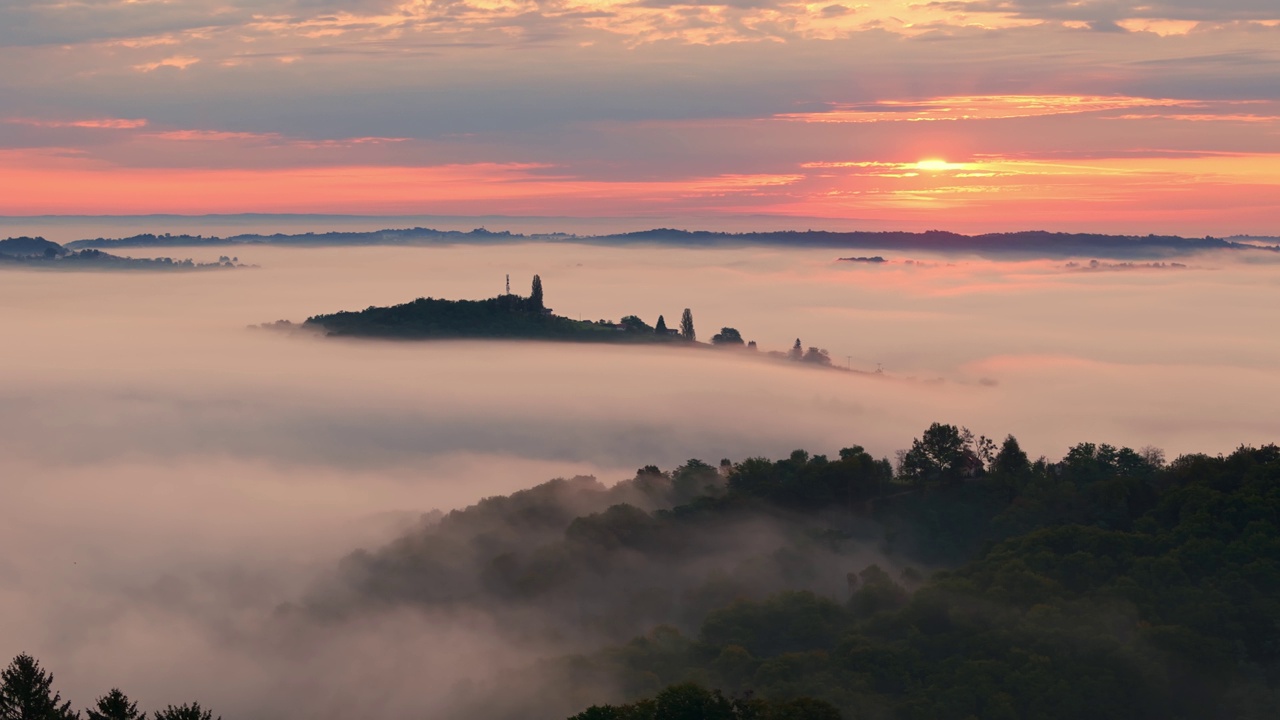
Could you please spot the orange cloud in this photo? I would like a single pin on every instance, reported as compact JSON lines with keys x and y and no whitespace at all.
{"x":212,"y":136}
{"x":63,"y":182}
{"x":178,"y":62}
{"x":99,"y":123}
{"x":979,"y":107}
{"x":1215,"y":194}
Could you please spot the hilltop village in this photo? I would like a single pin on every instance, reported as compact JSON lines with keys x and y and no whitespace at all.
{"x":514,"y":317}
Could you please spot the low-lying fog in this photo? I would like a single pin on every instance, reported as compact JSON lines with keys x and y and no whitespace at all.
{"x":170,"y":476}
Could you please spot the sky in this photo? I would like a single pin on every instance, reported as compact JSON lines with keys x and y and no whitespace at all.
{"x":970,"y":115}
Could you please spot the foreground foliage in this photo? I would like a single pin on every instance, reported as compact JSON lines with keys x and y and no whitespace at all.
{"x":1116,"y":589}
{"x":26,"y":693}
{"x":690,"y":701}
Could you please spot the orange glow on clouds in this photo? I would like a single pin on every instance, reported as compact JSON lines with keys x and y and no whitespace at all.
{"x":94,"y":123}
{"x":1021,"y":193}
{"x":987,"y":107}
{"x":52,"y":183}
{"x":145,"y":168}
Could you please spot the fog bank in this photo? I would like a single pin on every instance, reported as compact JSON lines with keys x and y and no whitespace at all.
{"x":172,"y":477}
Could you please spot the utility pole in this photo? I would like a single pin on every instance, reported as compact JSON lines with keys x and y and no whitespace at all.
{"x":848,"y":362}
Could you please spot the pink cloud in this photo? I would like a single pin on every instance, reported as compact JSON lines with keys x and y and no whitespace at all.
{"x":96,"y":123}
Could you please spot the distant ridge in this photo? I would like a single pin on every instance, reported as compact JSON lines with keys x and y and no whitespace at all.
{"x":30,"y":247}
{"x":1028,"y":242}
{"x":41,"y":254}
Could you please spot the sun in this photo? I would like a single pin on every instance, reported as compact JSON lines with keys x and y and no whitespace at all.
{"x":936,"y":165}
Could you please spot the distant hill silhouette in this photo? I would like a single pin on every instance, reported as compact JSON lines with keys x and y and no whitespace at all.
{"x":506,"y":316}
{"x":1039,"y":243}
{"x":30,"y":247}
{"x":513,"y":317}
{"x":29,"y":252}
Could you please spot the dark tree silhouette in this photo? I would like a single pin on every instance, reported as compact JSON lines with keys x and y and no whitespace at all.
{"x":26,"y":693}
{"x":686,"y":326}
{"x":1011,"y":461}
{"x":940,"y":454}
{"x":690,"y":701}
{"x":817,"y":357}
{"x":185,"y":712}
{"x":535,"y":295}
{"x":115,"y":705}
{"x":661,"y":327}
{"x":797,"y":351}
{"x":727,"y":336}
{"x":634,"y":324}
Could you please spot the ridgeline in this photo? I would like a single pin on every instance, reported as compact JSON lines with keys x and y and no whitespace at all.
{"x":1038,"y":243}
{"x":38,"y":253}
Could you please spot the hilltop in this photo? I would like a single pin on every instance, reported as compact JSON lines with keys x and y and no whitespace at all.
{"x":513,"y":317}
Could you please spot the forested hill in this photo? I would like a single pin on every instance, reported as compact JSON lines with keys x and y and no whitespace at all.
{"x":405,"y":236}
{"x":38,"y":253}
{"x":966,"y":582}
{"x":1037,"y":242}
{"x":25,"y":247}
{"x":513,"y":317}
{"x":1108,"y":584}
{"x":506,"y":316}
{"x":1030,"y":242}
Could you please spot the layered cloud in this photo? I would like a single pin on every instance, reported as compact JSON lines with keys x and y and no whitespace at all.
{"x":640,"y":107}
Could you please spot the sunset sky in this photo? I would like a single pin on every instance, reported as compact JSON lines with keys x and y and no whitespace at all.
{"x":1098,"y":115}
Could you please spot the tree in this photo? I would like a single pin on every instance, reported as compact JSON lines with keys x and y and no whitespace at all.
{"x":185,"y":712}
{"x":26,"y":693}
{"x":940,"y":454}
{"x":686,"y":326}
{"x":817,"y":357}
{"x":727,"y":336}
{"x":1011,"y":461}
{"x":692,"y":702}
{"x":797,"y":351}
{"x":661,"y":327}
{"x":634,"y":324}
{"x":692,"y":479}
{"x":535,"y":295}
{"x":114,"y":705}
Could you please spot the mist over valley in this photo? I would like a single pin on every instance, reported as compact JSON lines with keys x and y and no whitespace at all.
{"x":196,"y":489}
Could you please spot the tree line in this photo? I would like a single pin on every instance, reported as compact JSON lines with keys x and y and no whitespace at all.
{"x":26,"y":693}
{"x":1109,"y":584}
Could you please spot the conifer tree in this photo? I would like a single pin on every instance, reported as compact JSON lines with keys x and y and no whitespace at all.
{"x":535,"y":296}
{"x":797,"y":351}
{"x":115,"y":705}
{"x":26,"y":693}
{"x":661,"y":327}
{"x":185,"y":712}
{"x":686,"y":326}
